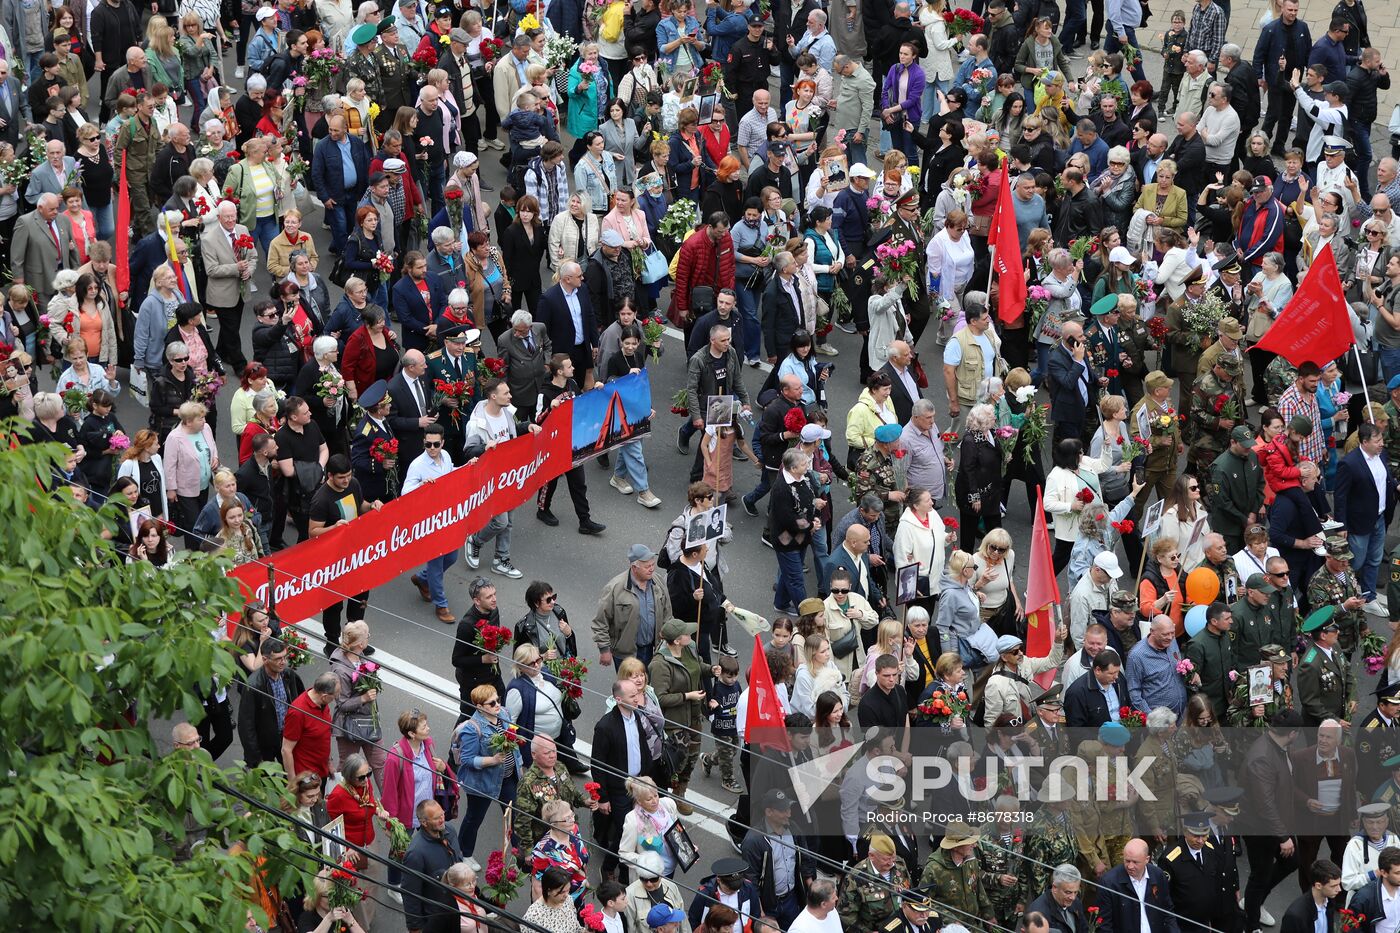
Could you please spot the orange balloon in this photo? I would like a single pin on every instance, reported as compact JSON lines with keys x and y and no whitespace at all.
{"x":1202,"y":586}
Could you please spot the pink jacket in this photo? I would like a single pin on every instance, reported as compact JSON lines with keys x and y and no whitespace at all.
{"x":182,"y":463}
{"x":398,"y":780}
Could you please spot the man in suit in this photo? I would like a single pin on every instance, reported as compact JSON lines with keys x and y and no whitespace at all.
{"x":1136,"y":893}
{"x":903,"y":390}
{"x":374,"y":481}
{"x":42,"y":244}
{"x":454,"y":363}
{"x":526,"y":350}
{"x":1061,"y":904}
{"x":567,"y":315}
{"x":260,"y":716}
{"x":52,"y":174}
{"x":619,"y":749}
{"x":853,"y":557}
{"x":773,"y":438}
{"x":411,"y":395}
{"x":1097,"y":696}
{"x":1324,"y":796}
{"x":1364,"y":496}
{"x":339,"y":176}
{"x":782,"y":308}
{"x":1072,"y":383}
{"x":13,"y":106}
{"x":1197,"y":873}
{"x":1319,"y":902}
{"x":228,"y":268}
{"x":418,"y":298}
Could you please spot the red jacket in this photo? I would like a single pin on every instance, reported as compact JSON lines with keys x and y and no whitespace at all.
{"x":357,"y":361}
{"x":701,"y":262}
{"x":359,"y":819}
{"x":1280,"y":465}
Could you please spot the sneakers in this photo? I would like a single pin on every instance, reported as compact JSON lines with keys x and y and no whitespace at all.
{"x":505,"y":568}
{"x":647,"y":499}
{"x":621,"y":485}
{"x":590,"y":527}
{"x":827,"y":349}
{"x":546,"y":516}
{"x":749,"y":508}
{"x":767,"y":541}
{"x":733,"y":786}
{"x":494,"y":144}
{"x":707,"y":761}
{"x":846,"y":327}
{"x":739,"y":454}
{"x":473,"y":553}
{"x":755,"y":362}
{"x":1374,"y":608}
{"x":682,"y":443}
{"x":238,"y":72}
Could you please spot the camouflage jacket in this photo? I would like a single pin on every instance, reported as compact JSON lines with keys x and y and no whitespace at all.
{"x":864,"y":902}
{"x":534,"y":791}
{"x":1051,"y":841}
{"x":1210,"y":400}
{"x":960,"y":887}
{"x":1326,"y":589}
{"x":1278,"y":376}
{"x":874,"y":474}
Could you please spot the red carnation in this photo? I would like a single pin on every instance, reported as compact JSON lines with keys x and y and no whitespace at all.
{"x":454,"y":194}
{"x":950,"y":523}
{"x":795,"y":420}
{"x":1085,"y":495}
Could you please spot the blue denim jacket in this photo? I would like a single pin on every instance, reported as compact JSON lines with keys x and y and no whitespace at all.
{"x":471,"y":740}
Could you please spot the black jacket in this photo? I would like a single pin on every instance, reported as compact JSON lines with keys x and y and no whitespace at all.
{"x":1190,"y":158}
{"x":979,"y":471}
{"x":260,"y":489}
{"x":789,"y":507}
{"x":757,"y":850}
{"x":404,"y":415}
{"x":1081,"y":214}
{"x":1244,"y":95}
{"x":274,"y":347}
{"x":781,"y":317}
{"x":1085,"y":706}
{"x":770,"y":431}
{"x":1122,"y":911}
{"x":168,"y":394}
{"x":1361,"y":105}
{"x":431,"y":857}
{"x":1301,"y":915}
{"x":1062,"y":920}
{"x":610,"y":754}
{"x":900,"y":398}
{"x":257,"y":716}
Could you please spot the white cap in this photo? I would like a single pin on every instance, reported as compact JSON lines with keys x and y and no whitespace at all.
{"x":861,"y":170}
{"x":1108,"y":563}
{"x":814,"y":432}
{"x":266,"y":12}
{"x":1123,"y":255}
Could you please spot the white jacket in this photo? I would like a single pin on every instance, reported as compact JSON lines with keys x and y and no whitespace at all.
{"x":132,"y":468}
{"x":882,"y":309}
{"x":1176,"y":264}
{"x":838,"y":623}
{"x":913,"y":543}
{"x":810,"y":684}
{"x":1183,"y":531}
{"x":1061,"y":488}
{"x":941,"y":62}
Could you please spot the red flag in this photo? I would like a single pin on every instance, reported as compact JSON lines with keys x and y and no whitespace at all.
{"x":764,"y":724}
{"x":1042,"y":590}
{"x":123,"y":232}
{"x":1314,"y":326}
{"x":1010,"y":273}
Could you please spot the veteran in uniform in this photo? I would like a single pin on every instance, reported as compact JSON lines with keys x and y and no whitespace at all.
{"x":1378,"y":739}
{"x":375,"y":481}
{"x":874,"y":475}
{"x":1389,"y":792}
{"x":1325,"y":685}
{"x":953,"y":876}
{"x":1052,"y":839}
{"x":543,"y":781}
{"x":1164,"y":433}
{"x":1244,"y":713}
{"x":1215,"y":408}
{"x":1335,"y":585}
{"x":1256,"y":620}
{"x":455,"y":363}
{"x":1197,"y":877}
{"x":916,"y":915}
{"x":867,"y":896}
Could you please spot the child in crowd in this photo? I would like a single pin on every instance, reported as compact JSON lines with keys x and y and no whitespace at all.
{"x":1173,"y":68}
{"x":722,"y":707}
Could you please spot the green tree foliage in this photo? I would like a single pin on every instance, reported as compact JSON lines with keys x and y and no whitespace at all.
{"x":100,"y":832}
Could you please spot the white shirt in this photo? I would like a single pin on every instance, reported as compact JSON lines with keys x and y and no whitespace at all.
{"x":1378,"y":474}
{"x":1390,"y":903}
{"x":807,"y":922}
{"x":424,"y":469}
{"x":907,"y":380}
{"x":575,"y":312}
{"x":1140,"y":889}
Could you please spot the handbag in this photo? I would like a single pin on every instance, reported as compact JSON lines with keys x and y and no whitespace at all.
{"x":846,"y":644}
{"x":362,"y":728}
{"x":308,"y":476}
{"x":916,"y":369}
{"x":654,"y":267}
{"x":340,"y":274}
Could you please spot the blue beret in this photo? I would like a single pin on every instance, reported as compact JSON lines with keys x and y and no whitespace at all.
{"x":1393,"y":384}
{"x":1114,"y":733}
{"x":888,"y":433}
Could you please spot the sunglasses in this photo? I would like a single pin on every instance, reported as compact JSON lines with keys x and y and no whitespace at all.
{"x":1193,"y":488}
{"x":357,"y":778}
{"x":997,"y":548}
{"x":180,"y":359}
{"x":432,"y":445}
{"x":548,"y":599}
{"x":836,"y":592}
{"x":492,"y":702}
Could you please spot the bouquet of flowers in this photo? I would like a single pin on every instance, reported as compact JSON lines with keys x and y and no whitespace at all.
{"x":1131,"y":718}
{"x":1146,"y":291}
{"x":795,"y":420}
{"x":1033,"y":427}
{"x":298,"y":652}
{"x":383,"y":262}
{"x":424,"y":59}
{"x":969,"y":183}
{"x":950,"y":524}
{"x":680,"y":402}
{"x":1082,"y":246}
{"x":568,"y":673}
{"x":949,"y":437}
{"x":490,"y":367}
{"x":899,"y":258}
{"x":501,"y":879}
{"x":399,"y":839}
{"x":506,"y":741}
{"x":322,"y":66}
{"x":364,"y":679}
{"x":74,"y":398}
{"x":58,"y":330}
{"x":1203,"y":317}
{"x":1125,"y":527}
{"x":1352,"y":920}
{"x":330,"y":386}
{"x":1226,"y":407}
{"x":592,"y":918}
{"x":1131,"y":57}
{"x":681,"y":218}
{"x":945,"y":705}
{"x":962,"y":22}
{"x":559,"y":51}
{"x":454,"y":207}
{"x":1113,"y":87}
{"x":385,"y":452}
{"x":944,"y":307}
{"x":206,"y":387}
{"x":1157,"y":329}
{"x":1095,"y":916}
{"x":1085,"y":495}
{"x":982,"y":77}
{"x":18,"y":169}
{"x":1006,"y":440}
{"x":344,"y":891}
{"x":653,"y":329}
{"x":492,"y":48}
{"x":490,"y":638}
{"x":879,"y":204}
{"x":459,"y":389}
{"x":1373,"y":650}
{"x":297,"y":169}
{"x":1133,"y":447}
{"x":1185,"y":669}
{"x":119,"y":441}
{"x":1037,"y":300}
{"x":712,"y":75}
{"x":594,"y":790}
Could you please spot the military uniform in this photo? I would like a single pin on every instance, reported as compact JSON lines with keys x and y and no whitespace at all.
{"x":139,"y":143}
{"x":1241,"y":711}
{"x":1213,"y":654}
{"x":374,"y":480}
{"x":1235,"y":491}
{"x":865,"y":901}
{"x":960,"y":887}
{"x":1278,"y":376}
{"x":1135,"y":340}
{"x":1052,"y":840}
{"x":1158,"y":816}
{"x":1210,"y":401}
{"x":1000,"y":856}
{"x":442,"y":365}
{"x":397,"y":78}
{"x":1378,"y":740}
{"x":900,"y":923}
{"x":1186,"y":348}
{"x":365,"y":66}
{"x":747,"y":70}
{"x":1253,"y":628}
{"x":1214,"y":352}
{"x":1104,"y":348}
{"x":874,"y":474}
{"x":1200,"y":890}
{"x":1392,"y":589}
{"x":1330,"y":589}
{"x":1325,"y":685}
{"x":1389,"y":792}
{"x":1230,"y":584}
{"x":534,"y":791}
{"x":1165,"y":429}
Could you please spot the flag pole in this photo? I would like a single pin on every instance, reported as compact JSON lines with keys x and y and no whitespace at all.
{"x":1361,"y":371}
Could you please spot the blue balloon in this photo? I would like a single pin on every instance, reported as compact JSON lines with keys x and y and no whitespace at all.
{"x":1195,"y":620}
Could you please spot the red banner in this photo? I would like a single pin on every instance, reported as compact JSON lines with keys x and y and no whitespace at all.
{"x":1042,"y":589}
{"x":1315,"y":325}
{"x":123,"y":264}
{"x":764,"y":724}
{"x":1008,"y":265}
{"x":430,"y":521}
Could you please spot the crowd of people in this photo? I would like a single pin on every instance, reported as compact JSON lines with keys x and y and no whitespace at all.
{"x":1217,"y":514}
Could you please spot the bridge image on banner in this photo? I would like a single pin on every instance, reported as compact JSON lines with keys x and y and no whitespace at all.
{"x":611,"y":415}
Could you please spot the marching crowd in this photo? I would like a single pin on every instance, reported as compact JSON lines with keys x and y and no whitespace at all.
{"x":1000,"y":187}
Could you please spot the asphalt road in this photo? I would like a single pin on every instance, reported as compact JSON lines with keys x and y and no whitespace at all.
{"x":415,"y":648}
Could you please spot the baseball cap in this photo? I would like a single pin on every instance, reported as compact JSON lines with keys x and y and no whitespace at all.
{"x":662,"y":914}
{"x":263,"y":13}
{"x":640,"y":553}
{"x":861,"y":170}
{"x":611,"y":238}
{"x":1261,"y":183}
{"x":810,"y":432}
{"x":1107,"y":561}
